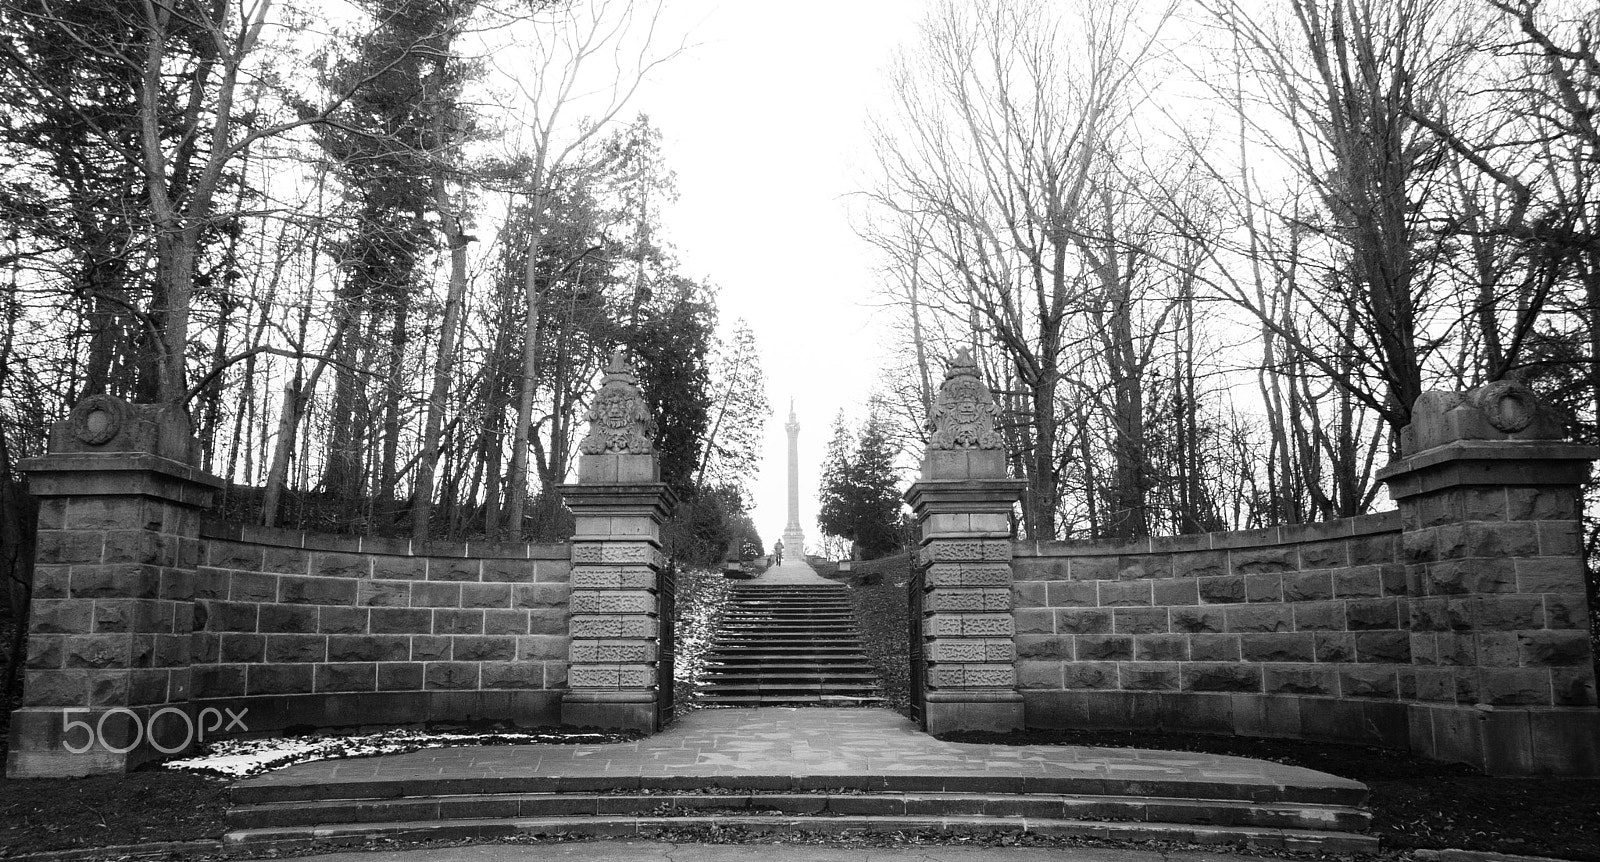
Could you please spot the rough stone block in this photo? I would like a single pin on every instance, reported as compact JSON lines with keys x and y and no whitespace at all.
{"x":446,"y":569}
{"x":558,"y":597}
{"x":368,"y":648}
{"x":450,"y":676}
{"x":1263,"y":587}
{"x":344,"y":621}
{"x":1103,"y":647}
{"x":401,"y":620}
{"x":1053,"y":647}
{"x":397,"y":676}
{"x":1549,"y":574}
{"x":1214,"y":647}
{"x":1514,"y":686}
{"x":1496,"y":613}
{"x":484,"y":648}
{"x":1184,"y":592}
{"x":334,"y":565}
{"x":1375,"y":681}
{"x":399,"y":568}
{"x":1025,"y":594}
{"x":1566,"y":611}
{"x":505,"y":622}
{"x":70,"y":547}
{"x":1471,"y":575}
{"x":395,"y":594}
{"x":1383,"y":647}
{"x":287,"y":619}
{"x":347,"y":677}
{"x":1334,"y":646}
{"x":1325,"y":555}
{"x":1300,"y":680}
{"x":1082,"y":621}
{"x":1260,"y":618}
{"x":1358,"y":582}
{"x":512,"y":675}
{"x":451,"y":621}
{"x":1556,"y":539}
{"x":1092,"y":568}
{"x":1149,"y":676}
{"x":486,"y":595}
{"x":1544,"y":648}
{"x":1140,"y":621}
{"x":1022,"y":569}
{"x":1319,"y":617}
{"x":286,"y":561}
{"x":298,"y":590}
{"x":290,"y":648}
{"x":1222,"y":589}
{"x":1308,"y":586}
{"x":279,"y":678}
{"x":1250,"y":561}
{"x":1125,"y":594}
{"x":1161,"y":647}
{"x":1090,"y":675}
{"x":1034,"y":621}
{"x":1040,"y":674}
{"x":430,"y":648}
{"x":1370,"y":614}
{"x":1207,"y":676}
{"x":1278,"y":647}
{"x":431,"y":594}
{"x":242,"y":648}
{"x":116,"y":581}
{"x":1143,"y":567}
{"x":1572,"y":686}
{"x":552,"y":647}
{"x":1200,"y":564}
{"x":1198,"y":619}
{"x":1073,"y":594}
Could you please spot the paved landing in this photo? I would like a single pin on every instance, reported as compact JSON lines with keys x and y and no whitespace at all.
{"x":801,"y":747}
{"x":792,"y":572}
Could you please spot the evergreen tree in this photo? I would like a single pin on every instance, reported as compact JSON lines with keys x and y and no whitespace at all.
{"x":860,"y":496}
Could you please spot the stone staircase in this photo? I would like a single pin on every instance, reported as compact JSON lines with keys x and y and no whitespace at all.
{"x":788,"y":644}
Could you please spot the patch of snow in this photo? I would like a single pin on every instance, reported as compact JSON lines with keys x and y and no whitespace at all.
{"x":240,"y":758}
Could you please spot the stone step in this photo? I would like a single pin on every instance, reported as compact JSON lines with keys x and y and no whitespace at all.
{"x":828,"y":700}
{"x":627,"y":825}
{"x":1071,"y":807}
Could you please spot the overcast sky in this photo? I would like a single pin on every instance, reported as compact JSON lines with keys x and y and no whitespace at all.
{"x":765,"y":124}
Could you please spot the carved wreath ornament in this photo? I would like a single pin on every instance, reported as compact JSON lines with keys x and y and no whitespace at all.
{"x":964,"y":413}
{"x":619,"y":420}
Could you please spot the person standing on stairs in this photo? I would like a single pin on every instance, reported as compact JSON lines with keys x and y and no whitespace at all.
{"x":777,"y":552}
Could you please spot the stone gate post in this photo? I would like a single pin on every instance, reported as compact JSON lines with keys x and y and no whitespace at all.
{"x":620,"y":503}
{"x":107,"y":682}
{"x":962,"y":504}
{"x":1502,"y":676}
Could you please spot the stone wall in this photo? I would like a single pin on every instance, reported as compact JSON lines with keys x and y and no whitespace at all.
{"x":308,"y":629}
{"x":1295,"y":631}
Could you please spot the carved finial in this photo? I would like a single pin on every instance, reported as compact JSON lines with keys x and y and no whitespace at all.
{"x":619,"y":420}
{"x":964,"y":414}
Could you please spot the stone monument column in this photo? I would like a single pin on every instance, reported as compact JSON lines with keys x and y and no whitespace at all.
{"x":1501,"y":676}
{"x":794,"y":539}
{"x":619,"y":502}
{"x":107,"y":681}
{"x":962,"y":505}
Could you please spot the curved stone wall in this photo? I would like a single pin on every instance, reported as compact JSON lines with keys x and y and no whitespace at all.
{"x":1294,"y":631}
{"x":328,"y":631}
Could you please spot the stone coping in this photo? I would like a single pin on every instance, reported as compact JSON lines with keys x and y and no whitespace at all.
{"x":394,"y":547}
{"x":1292,"y":534}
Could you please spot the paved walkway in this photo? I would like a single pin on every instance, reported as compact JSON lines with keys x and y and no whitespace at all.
{"x":800,"y":747}
{"x":792,"y":572}
{"x":653,"y":851}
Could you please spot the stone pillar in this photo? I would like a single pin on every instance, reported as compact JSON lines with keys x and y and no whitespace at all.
{"x":794,"y":538}
{"x":620,"y":503}
{"x":1502,"y":675}
{"x":107,"y":681}
{"x":963,"y":504}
